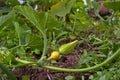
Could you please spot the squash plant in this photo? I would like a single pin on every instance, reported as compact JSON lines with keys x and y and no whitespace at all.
{"x":43,"y":22}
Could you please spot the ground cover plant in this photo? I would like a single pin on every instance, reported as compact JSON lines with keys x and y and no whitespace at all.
{"x":59,"y":40}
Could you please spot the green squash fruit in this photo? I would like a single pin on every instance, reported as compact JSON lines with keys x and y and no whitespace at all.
{"x":68,"y":47}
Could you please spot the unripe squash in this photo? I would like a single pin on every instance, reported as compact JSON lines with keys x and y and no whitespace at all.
{"x":68,"y":47}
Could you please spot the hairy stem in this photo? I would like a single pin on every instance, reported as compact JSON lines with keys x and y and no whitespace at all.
{"x":45,"y":46}
{"x":116,"y":54}
{"x":24,"y":61}
{"x":84,"y":69}
{"x":45,"y":39}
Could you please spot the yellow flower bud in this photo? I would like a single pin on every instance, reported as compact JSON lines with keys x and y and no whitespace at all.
{"x":54,"y":55}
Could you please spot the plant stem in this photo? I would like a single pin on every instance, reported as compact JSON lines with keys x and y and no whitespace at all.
{"x":14,"y":47}
{"x":24,"y":61}
{"x":45,"y":46}
{"x":45,"y":38}
{"x":116,"y":54}
{"x":84,"y":69}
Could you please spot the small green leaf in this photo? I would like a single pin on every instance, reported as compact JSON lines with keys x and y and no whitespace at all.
{"x":117,"y":33}
{"x":62,"y":8}
{"x":6,"y":19}
{"x":20,"y":51}
{"x":25,"y":77}
{"x":6,"y":70}
{"x":19,"y":31}
{"x":37,"y":51}
{"x":69,"y":78}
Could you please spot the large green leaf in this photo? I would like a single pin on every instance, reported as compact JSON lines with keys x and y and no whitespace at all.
{"x":38,"y":19}
{"x":113,"y":5}
{"x":42,"y":20}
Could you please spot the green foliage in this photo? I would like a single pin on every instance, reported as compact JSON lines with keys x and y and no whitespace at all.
{"x":62,"y":7}
{"x":6,"y":19}
{"x":26,"y":31}
{"x":69,"y":78}
{"x":6,"y":57}
{"x":6,"y":71}
{"x":117,"y":33}
{"x":113,"y":5}
{"x":25,"y":78}
{"x":108,"y":72}
{"x":41,"y":20}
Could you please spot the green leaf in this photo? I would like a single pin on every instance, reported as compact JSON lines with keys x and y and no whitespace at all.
{"x":70,"y":77}
{"x":19,"y":31}
{"x":62,"y":8}
{"x":117,"y":33}
{"x":21,"y":51}
{"x":6,"y":70}
{"x":38,"y":19}
{"x":12,"y":2}
{"x":34,"y":41}
{"x":42,"y":20}
{"x":6,"y":57}
{"x":25,"y":77}
{"x":112,"y":5}
{"x":6,"y":19}
{"x":52,"y":22}
{"x":5,"y":9}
